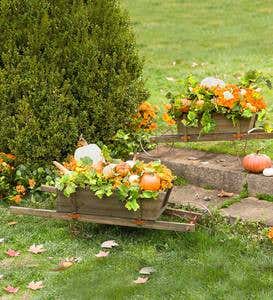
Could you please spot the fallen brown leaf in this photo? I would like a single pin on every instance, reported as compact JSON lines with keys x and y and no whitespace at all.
{"x":102,"y":254}
{"x":35,"y":285}
{"x":147,"y":270}
{"x":63,"y":266}
{"x":2,"y":240}
{"x":141,"y":280}
{"x":1,"y":276}
{"x":10,"y":289}
{"x":12,"y":223}
{"x":109,"y":244}
{"x":223,"y":194}
{"x":12,"y":253}
{"x":36,"y":249}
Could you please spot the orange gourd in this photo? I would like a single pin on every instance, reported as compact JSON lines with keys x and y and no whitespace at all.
{"x":256,"y":162}
{"x":150,"y":182}
{"x":98,"y":166}
{"x":123,"y":169}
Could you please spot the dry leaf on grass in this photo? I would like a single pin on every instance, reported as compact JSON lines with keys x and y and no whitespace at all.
{"x":109,"y":244}
{"x":223,"y":194}
{"x":10,"y":289}
{"x":102,"y":254}
{"x":35,"y":285}
{"x":63,"y":266}
{"x":12,"y":223}
{"x":2,"y":240}
{"x":141,"y":280}
{"x":12,"y":253}
{"x":36,"y":249}
{"x":170,"y":78}
{"x":1,"y":276}
{"x":146,"y":271}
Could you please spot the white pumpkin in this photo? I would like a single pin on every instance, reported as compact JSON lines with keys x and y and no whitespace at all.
{"x":131,"y":163}
{"x":134,"y":179}
{"x":108,"y":171}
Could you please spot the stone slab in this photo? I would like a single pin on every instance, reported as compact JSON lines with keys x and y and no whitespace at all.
{"x":214,"y":170}
{"x":196,"y":196}
{"x":251,"y":209}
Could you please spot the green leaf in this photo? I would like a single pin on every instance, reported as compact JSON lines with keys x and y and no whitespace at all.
{"x":149,"y":195}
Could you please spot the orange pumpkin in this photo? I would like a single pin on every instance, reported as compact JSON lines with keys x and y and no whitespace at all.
{"x":123,"y":169}
{"x":256,"y":163}
{"x":150,"y":182}
{"x":98,"y":166}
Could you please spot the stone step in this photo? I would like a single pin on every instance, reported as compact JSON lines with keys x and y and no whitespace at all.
{"x":248,"y":209}
{"x":217,"y":171}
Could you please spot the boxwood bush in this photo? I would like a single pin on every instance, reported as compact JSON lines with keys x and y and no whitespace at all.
{"x":66,"y":68}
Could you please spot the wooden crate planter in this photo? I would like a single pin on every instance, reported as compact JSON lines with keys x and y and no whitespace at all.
{"x":86,"y":202}
{"x":223,"y":125}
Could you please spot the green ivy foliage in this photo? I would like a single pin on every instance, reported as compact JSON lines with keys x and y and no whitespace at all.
{"x":66,"y":68}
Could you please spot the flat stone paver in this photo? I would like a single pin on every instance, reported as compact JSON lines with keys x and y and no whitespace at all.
{"x":251,"y":209}
{"x":196,"y":196}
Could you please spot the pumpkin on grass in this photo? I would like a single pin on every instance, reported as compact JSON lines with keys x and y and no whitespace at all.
{"x":256,"y":162}
{"x":150,"y":182}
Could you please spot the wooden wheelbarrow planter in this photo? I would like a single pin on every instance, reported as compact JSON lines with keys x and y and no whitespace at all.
{"x":85,"y":206}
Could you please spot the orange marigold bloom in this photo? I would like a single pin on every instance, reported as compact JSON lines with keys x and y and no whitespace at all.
{"x":166,"y":118}
{"x":153,"y":126}
{"x":17,"y":198}
{"x":31,"y":183}
{"x":167,"y":106}
{"x":10,"y":156}
{"x":20,"y":189}
{"x":270,"y":233}
{"x":71,"y":164}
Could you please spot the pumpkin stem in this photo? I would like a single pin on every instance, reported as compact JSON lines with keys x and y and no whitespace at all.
{"x":258,"y":151}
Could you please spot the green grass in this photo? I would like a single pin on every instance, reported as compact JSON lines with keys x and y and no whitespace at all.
{"x":224,"y":38}
{"x":215,"y":262}
{"x":265,"y":197}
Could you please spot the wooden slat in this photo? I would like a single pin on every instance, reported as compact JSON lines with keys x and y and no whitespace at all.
{"x":162,"y":225}
{"x":211,"y":137}
{"x":182,"y":213}
{"x":49,"y":189}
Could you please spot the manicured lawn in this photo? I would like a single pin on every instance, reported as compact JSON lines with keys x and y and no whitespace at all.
{"x":215,"y":262}
{"x":205,"y":38}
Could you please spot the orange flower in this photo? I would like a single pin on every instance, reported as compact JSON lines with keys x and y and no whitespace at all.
{"x":153,"y":126}
{"x":31,"y":183}
{"x":10,"y":156}
{"x":227,"y":96}
{"x":166,"y":118}
{"x":17,"y":198}
{"x":20,"y":189}
{"x":145,"y":116}
{"x":167,"y":106}
{"x":270,"y":234}
{"x":71,"y":164}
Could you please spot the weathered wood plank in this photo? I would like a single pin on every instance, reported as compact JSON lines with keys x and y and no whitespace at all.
{"x":161,"y":225}
{"x":182,"y":213}
{"x":211,"y":137}
{"x":49,"y":189}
